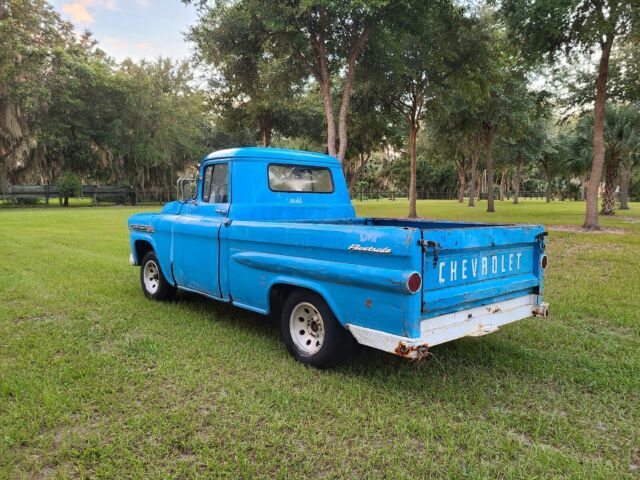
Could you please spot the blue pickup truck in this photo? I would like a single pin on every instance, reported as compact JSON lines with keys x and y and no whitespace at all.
{"x":273,"y":231}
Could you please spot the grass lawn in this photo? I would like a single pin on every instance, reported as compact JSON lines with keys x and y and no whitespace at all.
{"x":95,"y":380}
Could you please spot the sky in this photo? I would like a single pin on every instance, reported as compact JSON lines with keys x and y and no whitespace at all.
{"x":133,"y":28}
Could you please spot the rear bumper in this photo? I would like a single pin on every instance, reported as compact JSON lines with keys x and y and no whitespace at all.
{"x":473,"y":322}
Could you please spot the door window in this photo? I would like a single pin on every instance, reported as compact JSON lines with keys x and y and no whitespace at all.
{"x":216,"y":183}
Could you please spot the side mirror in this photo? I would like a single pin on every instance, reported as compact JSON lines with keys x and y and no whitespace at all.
{"x":186,"y":188}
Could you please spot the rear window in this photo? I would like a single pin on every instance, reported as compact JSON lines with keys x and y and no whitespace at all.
{"x":300,"y":178}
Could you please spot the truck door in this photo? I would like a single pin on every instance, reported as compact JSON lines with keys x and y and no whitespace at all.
{"x":196,"y":234}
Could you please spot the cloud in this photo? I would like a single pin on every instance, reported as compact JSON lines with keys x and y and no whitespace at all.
{"x":116,"y":44}
{"x":143,"y":3}
{"x":79,"y":12}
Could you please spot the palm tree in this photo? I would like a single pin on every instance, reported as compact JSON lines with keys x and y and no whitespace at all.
{"x":621,"y":137}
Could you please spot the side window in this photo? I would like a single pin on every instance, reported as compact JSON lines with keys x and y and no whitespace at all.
{"x":215,"y":187}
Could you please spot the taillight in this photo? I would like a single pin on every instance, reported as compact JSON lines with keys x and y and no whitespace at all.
{"x":414,"y":282}
{"x":544,"y":261}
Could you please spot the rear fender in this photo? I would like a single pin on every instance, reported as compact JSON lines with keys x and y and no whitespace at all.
{"x":307,"y":284}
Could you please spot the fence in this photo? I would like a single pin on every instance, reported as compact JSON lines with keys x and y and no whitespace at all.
{"x":391,"y":194}
{"x":95,"y":192}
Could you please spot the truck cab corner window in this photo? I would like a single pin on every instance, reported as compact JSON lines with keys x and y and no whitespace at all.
{"x":215,"y":187}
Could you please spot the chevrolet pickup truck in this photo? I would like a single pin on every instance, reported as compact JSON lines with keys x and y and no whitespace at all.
{"x":274,"y":231}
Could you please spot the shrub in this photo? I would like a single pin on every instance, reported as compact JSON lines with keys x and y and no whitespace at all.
{"x":69,"y":185}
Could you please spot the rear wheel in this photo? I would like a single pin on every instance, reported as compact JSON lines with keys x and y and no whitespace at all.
{"x":154,"y":284}
{"x":311,"y":332}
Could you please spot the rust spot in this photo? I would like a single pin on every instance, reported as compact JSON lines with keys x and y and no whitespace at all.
{"x":417,"y":352}
{"x":368,"y":303}
{"x":541,"y":310}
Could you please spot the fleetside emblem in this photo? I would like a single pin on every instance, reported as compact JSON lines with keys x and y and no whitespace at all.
{"x":359,"y":248}
{"x":142,"y":228}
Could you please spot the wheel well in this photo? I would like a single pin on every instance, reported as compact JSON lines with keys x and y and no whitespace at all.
{"x":142,"y":248}
{"x":279,"y":293}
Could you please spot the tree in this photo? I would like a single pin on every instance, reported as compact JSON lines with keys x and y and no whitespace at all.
{"x":413,"y":59}
{"x":552,"y":157}
{"x":527,"y":136}
{"x":160,"y":129}
{"x":31,"y":33}
{"x":373,"y":126}
{"x":626,"y":173}
{"x":249,"y":85}
{"x":454,"y":138}
{"x":326,"y":38}
{"x":507,"y":101}
{"x":546,"y":29}
{"x":621,"y":140}
{"x":69,"y":185}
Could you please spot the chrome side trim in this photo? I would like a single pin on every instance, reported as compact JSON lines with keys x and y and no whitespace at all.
{"x":142,"y":228}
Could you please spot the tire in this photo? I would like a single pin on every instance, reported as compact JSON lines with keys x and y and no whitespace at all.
{"x":311,"y":332}
{"x":154,"y":284}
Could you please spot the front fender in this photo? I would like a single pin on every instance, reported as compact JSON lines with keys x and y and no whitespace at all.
{"x":157,"y":231}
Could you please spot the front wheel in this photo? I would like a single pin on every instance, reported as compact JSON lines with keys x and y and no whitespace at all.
{"x":154,"y":284}
{"x":311,"y":332}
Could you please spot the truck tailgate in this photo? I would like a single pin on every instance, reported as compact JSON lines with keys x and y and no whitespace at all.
{"x":471,"y":266}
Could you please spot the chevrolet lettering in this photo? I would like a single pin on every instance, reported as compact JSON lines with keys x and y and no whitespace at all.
{"x":274,"y":231}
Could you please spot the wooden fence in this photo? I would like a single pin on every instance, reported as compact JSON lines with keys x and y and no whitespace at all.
{"x":48,"y":192}
{"x":382,"y":194}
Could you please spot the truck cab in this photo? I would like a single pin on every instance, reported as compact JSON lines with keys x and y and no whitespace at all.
{"x":274,"y":231}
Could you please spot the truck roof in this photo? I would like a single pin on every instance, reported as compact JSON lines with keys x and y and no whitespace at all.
{"x":261,"y":154}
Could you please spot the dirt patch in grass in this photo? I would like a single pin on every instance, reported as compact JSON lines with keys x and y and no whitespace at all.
{"x":579,"y":229}
{"x":629,"y":219}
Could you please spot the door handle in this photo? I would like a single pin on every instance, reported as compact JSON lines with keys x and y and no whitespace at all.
{"x":221,"y":211}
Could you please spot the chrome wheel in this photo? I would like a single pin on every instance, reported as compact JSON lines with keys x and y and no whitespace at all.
{"x":306,"y":328}
{"x":151,"y":276}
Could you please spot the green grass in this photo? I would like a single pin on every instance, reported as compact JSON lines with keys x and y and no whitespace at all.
{"x":97,"y":381}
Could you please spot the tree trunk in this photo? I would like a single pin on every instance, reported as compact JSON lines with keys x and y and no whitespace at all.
{"x":475,"y":156}
{"x":354,"y":53}
{"x":328,"y":113}
{"x":502,"y":185}
{"x":489,"y":147}
{"x":611,"y":181}
{"x":66,"y":201}
{"x":265,"y":135}
{"x":548,"y":189}
{"x":413,"y":133}
{"x":516,"y":181}
{"x":472,"y":184}
{"x":355,"y":176}
{"x":319,"y":68}
{"x":625,"y":177}
{"x":462,"y":178}
{"x":591,"y":216}
{"x":324,"y":78}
